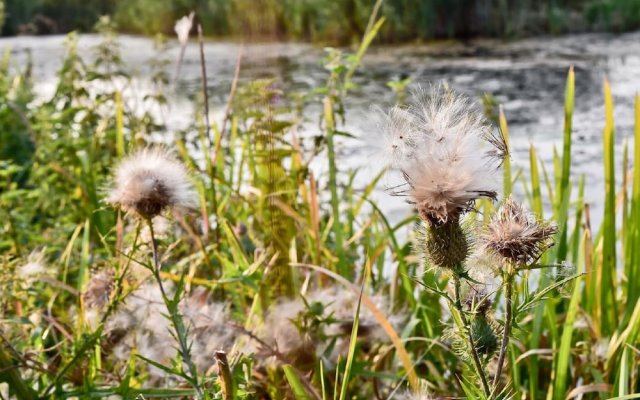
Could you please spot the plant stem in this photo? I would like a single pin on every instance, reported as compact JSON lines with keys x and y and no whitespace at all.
{"x":175,"y":317}
{"x":507,"y":326}
{"x":472,"y":345}
{"x":211,"y":142}
{"x":225,"y":377}
{"x":333,"y":185}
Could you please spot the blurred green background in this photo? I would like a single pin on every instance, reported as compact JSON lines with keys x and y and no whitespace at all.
{"x":334,"y":21}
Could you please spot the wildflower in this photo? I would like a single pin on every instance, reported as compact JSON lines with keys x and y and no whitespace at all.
{"x":151,"y":181}
{"x":99,"y":289}
{"x":517,"y":235}
{"x":450,"y":161}
{"x":485,"y":332}
{"x":183,"y":27}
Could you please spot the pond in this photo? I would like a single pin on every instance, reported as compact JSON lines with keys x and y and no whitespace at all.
{"x":526,"y":76}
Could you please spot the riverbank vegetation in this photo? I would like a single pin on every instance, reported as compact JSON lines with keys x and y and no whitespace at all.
{"x":329,"y":21}
{"x":220,"y":262}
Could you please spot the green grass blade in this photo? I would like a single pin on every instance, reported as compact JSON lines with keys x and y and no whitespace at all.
{"x":353,"y":341}
{"x":607,"y":271}
{"x":561,"y":377}
{"x":333,"y":186}
{"x":568,"y":123}
{"x":633,"y":235}
{"x":120,"y":144}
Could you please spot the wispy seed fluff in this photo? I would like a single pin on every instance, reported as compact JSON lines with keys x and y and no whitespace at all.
{"x":34,"y":267}
{"x":517,"y":235}
{"x":335,"y":307}
{"x":448,"y":154}
{"x":141,"y":324}
{"x":151,"y":181}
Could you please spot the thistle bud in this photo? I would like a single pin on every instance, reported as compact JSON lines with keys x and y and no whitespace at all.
{"x":484,"y":336}
{"x":446,"y":246}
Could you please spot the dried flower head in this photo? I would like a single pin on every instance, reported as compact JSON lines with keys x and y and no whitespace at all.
{"x":151,"y":181}
{"x":99,"y":289}
{"x":183,"y":27}
{"x":517,"y":235}
{"x":451,"y":156}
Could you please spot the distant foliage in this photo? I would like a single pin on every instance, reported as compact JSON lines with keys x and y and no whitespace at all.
{"x":337,"y":21}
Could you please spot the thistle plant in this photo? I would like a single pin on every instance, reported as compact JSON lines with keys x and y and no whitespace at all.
{"x":450,"y":158}
{"x":145,"y":185}
{"x":519,"y":238}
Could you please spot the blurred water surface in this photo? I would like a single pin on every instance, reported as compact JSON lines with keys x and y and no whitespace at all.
{"x":526,"y":76}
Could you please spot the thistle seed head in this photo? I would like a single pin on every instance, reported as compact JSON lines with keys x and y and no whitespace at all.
{"x":448,"y":156}
{"x":517,"y":235}
{"x":319,"y":325}
{"x":151,"y":181}
{"x":400,"y":140}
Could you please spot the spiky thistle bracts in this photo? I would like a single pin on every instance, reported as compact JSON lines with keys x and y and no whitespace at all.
{"x":449,"y":155}
{"x":151,"y":181}
{"x":517,"y":235}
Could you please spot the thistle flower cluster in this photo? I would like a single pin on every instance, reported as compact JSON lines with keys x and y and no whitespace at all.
{"x":449,"y":158}
{"x":149,"y":182}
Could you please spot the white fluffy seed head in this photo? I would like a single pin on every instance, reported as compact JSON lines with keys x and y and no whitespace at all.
{"x":183,"y":27}
{"x":450,"y":158}
{"x":151,"y":181}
